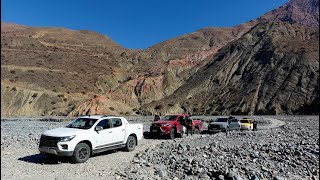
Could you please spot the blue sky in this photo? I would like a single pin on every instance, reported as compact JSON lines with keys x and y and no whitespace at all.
{"x":135,"y":23}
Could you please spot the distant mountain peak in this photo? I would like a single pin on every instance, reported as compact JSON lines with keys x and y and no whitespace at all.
{"x":305,"y":12}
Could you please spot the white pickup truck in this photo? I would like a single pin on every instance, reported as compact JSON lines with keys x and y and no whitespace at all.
{"x":88,"y":135}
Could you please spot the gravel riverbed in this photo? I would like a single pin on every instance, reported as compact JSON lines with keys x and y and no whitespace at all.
{"x":288,"y":150}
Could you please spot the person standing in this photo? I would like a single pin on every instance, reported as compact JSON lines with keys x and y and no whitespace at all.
{"x":255,"y":124}
{"x":228,"y":126}
{"x":156,"y":118}
{"x":182,"y":125}
{"x":189,"y":125}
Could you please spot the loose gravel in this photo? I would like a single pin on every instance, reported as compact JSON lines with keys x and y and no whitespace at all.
{"x":288,"y":150}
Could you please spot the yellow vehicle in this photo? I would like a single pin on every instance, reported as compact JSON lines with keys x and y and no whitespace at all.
{"x":246,"y":124}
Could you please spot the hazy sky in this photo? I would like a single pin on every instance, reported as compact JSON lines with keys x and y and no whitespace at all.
{"x":135,"y":23}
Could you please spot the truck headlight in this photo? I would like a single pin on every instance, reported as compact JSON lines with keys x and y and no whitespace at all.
{"x":66,"y":138}
{"x":165,"y":124}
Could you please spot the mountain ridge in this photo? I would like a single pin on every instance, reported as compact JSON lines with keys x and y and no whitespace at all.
{"x":47,"y":71}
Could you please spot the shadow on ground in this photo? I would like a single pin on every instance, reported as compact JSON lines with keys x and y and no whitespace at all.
{"x":43,"y":159}
{"x":149,"y":135}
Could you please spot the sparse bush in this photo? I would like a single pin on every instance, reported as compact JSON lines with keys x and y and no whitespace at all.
{"x":111,"y":108}
{"x":13,"y":72}
{"x":158,"y":107}
{"x":14,"y":89}
{"x":195,"y":110}
{"x":34,"y":95}
{"x":53,"y":103}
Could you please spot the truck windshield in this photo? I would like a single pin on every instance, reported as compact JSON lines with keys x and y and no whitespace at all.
{"x":169,"y":118}
{"x":222,"y":120}
{"x":82,"y":123}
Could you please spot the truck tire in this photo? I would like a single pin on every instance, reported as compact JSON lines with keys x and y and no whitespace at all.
{"x":171,"y":134}
{"x":196,"y":131}
{"x":81,"y":153}
{"x":131,"y":143}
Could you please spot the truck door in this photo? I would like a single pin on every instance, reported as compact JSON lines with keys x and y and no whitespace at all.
{"x":103,"y":137}
{"x":118,"y":131}
{"x":234,"y":124}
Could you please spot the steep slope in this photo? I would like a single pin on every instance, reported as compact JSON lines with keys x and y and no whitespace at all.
{"x":272,"y":69}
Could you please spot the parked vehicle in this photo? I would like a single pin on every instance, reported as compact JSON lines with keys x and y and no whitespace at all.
{"x":170,"y":126}
{"x":221,"y":124}
{"x":246,"y":124}
{"x":88,"y":135}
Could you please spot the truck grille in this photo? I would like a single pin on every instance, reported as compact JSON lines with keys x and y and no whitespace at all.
{"x":48,"y":141}
{"x":155,"y":128}
{"x":155,"y":125}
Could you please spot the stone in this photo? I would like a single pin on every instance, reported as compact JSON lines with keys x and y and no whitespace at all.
{"x":279,"y":178}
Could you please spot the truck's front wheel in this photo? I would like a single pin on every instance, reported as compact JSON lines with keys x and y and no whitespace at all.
{"x":171,"y":135}
{"x":131,"y":143}
{"x":81,"y":153}
{"x":196,"y":131}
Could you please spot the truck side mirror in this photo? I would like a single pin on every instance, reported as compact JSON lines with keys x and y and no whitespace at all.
{"x":98,"y":128}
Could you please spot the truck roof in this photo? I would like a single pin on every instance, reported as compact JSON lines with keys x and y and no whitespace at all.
{"x":177,"y":115}
{"x":98,"y":116}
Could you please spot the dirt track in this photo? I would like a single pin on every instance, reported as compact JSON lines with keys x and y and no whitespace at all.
{"x":20,"y":158}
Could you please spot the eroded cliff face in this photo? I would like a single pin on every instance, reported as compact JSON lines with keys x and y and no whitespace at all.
{"x":272,"y":69}
{"x":19,"y":101}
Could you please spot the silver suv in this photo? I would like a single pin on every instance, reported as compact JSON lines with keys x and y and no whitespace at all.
{"x":221,"y":124}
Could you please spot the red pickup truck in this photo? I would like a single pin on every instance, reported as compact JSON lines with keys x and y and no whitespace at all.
{"x":170,"y":126}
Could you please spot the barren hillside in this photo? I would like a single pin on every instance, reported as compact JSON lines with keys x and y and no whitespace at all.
{"x":58,"y":71}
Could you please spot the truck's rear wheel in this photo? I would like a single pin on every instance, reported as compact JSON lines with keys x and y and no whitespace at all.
{"x":196,"y":131}
{"x":131,"y":143}
{"x":171,"y":134}
{"x":81,"y":153}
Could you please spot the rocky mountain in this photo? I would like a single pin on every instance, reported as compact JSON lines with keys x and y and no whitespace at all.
{"x":272,"y":69}
{"x":251,"y":68}
{"x":305,"y":12}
